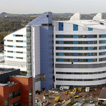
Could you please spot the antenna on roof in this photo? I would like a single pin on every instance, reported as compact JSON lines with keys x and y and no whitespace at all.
{"x":98,"y":16}
{"x":76,"y":16}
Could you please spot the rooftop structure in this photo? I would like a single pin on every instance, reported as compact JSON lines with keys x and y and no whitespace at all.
{"x":5,"y":73}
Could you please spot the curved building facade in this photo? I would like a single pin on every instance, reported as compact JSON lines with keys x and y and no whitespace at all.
{"x":15,"y":48}
{"x":79,"y":53}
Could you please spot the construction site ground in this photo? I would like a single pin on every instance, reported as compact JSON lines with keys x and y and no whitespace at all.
{"x":49,"y":96}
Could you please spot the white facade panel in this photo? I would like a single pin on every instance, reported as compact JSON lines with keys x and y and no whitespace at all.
{"x":63,"y":46}
{"x":15,"y":48}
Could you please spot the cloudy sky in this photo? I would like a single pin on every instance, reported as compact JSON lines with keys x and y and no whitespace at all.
{"x":56,"y":6}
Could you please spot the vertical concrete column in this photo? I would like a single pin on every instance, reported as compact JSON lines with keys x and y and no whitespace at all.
{"x":31,"y":53}
{"x":28,"y":29}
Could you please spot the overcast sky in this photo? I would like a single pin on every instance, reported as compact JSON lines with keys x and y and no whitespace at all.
{"x":56,"y":6}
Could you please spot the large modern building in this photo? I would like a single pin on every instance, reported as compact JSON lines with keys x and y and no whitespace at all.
{"x":69,"y":53}
{"x":80,"y":52}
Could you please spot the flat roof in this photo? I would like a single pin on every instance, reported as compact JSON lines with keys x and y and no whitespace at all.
{"x":2,"y":84}
{"x":6,"y":70}
{"x":21,"y":76}
{"x":88,"y":23}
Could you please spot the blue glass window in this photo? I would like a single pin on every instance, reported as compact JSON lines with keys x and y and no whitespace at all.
{"x":24,"y":46}
{"x":90,"y":29}
{"x":103,"y":53}
{"x":61,"y":60}
{"x":14,"y":51}
{"x":90,"y":36}
{"x":90,"y":60}
{"x":75,"y":27}
{"x":24,"y":40}
{"x":89,"y":54}
{"x":75,"y":48}
{"x":103,"y":59}
{"x":75,"y":60}
{"x":75,"y":54}
{"x":90,"y":48}
{"x":103,"y":36}
{"x":60,"y":42}
{"x":103,"y":41}
{"x":13,"y":35}
{"x":61,"y":54}
{"x":75,"y":42}
{"x":75,"y":36}
{"x":103,"y":47}
{"x":5,"y":45}
{"x":60,"y":48}
{"x":60,"y":36}
{"x":14,"y":46}
{"x":60,"y":24}
{"x":90,"y":42}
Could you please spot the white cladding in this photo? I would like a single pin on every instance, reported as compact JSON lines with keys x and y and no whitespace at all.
{"x":36,"y":55}
{"x":15,"y":48}
{"x":67,"y":79}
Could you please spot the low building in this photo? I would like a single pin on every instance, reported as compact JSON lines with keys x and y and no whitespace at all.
{"x":17,"y":92}
{"x":6,"y":72}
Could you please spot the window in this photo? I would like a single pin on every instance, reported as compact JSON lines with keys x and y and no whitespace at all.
{"x":17,"y":103}
{"x":19,"y":46}
{"x":76,"y":48}
{"x":18,"y":35}
{"x":19,"y":57}
{"x":18,"y":52}
{"x":60,"y":24}
{"x":102,"y":53}
{"x":76,"y":42}
{"x":10,"y":51}
{"x":102,"y":41}
{"x":90,"y":29}
{"x":14,"y":94}
{"x":60,"y":54}
{"x":76,"y":54}
{"x":62,"y":79}
{"x":75,"y":60}
{"x":102,"y":59}
{"x":6,"y":102}
{"x":76,"y":36}
{"x":60,"y":60}
{"x":30,"y":97}
{"x":75,"y":27}
{"x":81,"y":72}
{"x":102,"y":36}
{"x":102,"y":47}
{"x":9,"y":45}
{"x":59,"y":36}
{"x":10,"y":40}
{"x":10,"y":56}
{"x":19,"y":40}
{"x":24,"y":46}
